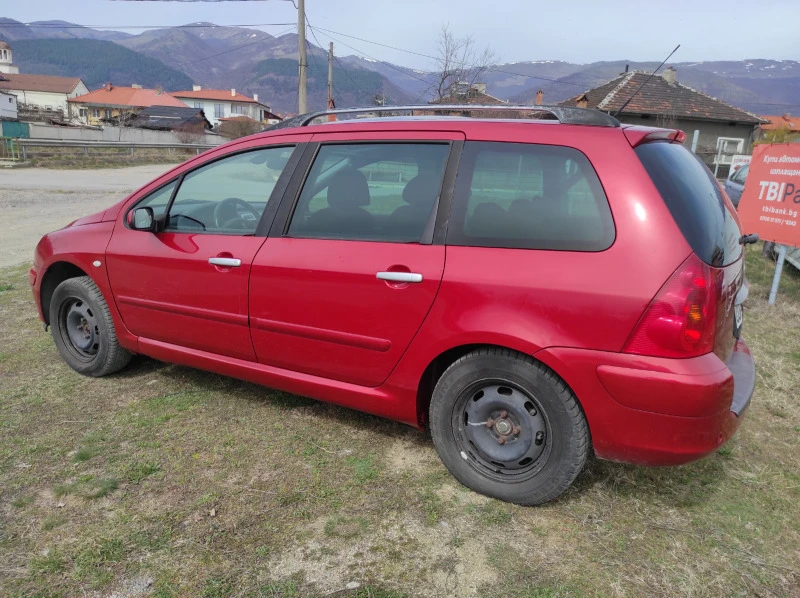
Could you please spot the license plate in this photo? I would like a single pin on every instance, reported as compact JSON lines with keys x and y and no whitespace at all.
{"x":738,"y":318}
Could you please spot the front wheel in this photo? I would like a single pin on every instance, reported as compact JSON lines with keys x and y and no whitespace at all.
{"x":506,"y":426}
{"x":83,"y":329}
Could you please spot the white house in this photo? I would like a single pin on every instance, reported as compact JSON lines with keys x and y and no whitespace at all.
{"x":37,"y":91}
{"x":219,"y":103}
{"x":8,"y":106}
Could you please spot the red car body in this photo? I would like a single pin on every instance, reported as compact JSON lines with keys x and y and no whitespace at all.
{"x":308,"y":316}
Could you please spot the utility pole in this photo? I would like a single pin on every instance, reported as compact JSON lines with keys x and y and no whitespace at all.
{"x":302,"y":102}
{"x":331,"y":103}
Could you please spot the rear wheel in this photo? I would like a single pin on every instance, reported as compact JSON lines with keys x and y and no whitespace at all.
{"x":83,"y":330}
{"x":508,"y":427}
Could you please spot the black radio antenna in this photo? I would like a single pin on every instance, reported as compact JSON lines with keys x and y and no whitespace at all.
{"x":633,"y":95}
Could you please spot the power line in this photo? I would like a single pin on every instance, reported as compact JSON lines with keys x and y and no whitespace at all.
{"x":389,"y":64}
{"x":233,"y":49}
{"x":493,"y":69}
{"x":117,"y":27}
{"x":336,"y":58}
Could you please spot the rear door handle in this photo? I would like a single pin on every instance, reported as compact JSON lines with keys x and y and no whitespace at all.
{"x":400,"y":276}
{"x":225,"y":262}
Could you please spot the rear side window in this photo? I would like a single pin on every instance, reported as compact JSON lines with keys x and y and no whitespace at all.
{"x":695,"y":201}
{"x":528,"y":196}
{"x":371,"y":192}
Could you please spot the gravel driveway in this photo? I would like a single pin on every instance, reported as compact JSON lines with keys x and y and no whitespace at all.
{"x":34,"y":201}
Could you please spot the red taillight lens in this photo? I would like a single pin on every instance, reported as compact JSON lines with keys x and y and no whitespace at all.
{"x":681,"y":320}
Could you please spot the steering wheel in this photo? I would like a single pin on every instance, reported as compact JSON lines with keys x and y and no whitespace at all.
{"x":226,"y":214}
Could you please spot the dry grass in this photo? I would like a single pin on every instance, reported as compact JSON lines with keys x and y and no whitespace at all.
{"x":93,"y":158}
{"x":165,"y":481}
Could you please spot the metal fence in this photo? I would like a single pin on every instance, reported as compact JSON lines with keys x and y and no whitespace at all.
{"x":23,"y":145}
{"x":9,"y":150}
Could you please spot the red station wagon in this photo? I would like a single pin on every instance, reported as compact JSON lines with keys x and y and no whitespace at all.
{"x":529,"y":290}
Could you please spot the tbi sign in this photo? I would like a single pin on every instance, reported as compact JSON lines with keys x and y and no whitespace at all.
{"x":770,"y":203}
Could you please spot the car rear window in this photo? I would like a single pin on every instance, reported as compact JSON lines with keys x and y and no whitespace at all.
{"x":695,"y":200}
{"x":529,"y":196}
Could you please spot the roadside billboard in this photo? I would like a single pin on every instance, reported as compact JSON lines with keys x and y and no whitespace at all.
{"x":770,"y":203}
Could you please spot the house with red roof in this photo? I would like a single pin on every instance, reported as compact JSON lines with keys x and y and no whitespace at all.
{"x":787,"y":122}
{"x":112,"y":102}
{"x":662,"y":101}
{"x":219,"y":104}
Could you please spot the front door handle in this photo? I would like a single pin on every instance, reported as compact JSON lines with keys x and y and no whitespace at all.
{"x":225,"y":262}
{"x":400,"y":276}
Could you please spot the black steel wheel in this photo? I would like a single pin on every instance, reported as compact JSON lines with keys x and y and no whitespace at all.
{"x":83,"y":330}
{"x":508,"y":427}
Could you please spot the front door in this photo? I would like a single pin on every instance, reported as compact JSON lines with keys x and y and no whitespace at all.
{"x":188,"y":284}
{"x":341,"y":287}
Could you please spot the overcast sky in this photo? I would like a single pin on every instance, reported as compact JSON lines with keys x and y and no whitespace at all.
{"x":573,"y":30}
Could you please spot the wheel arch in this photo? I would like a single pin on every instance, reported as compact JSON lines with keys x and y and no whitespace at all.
{"x":444,"y":360}
{"x":56,"y":273}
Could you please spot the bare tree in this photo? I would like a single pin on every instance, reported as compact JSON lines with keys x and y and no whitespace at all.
{"x":458,"y":60}
{"x":190,"y":133}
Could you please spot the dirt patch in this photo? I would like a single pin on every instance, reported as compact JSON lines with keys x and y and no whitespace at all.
{"x":410,"y":455}
{"x":451,"y":568}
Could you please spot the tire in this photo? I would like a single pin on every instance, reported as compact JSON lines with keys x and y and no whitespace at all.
{"x":545,"y":436}
{"x":83,"y":329}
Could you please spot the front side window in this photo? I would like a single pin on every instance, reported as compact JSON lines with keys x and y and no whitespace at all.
{"x":226,"y":196}
{"x":159,"y":199}
{"x":529,"y":197}
{"x":371,"y":192}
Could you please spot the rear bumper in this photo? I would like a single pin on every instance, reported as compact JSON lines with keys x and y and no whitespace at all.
{"x":655,"y":411}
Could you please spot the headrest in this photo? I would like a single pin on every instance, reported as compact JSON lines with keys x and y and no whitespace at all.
{"x":348,"y":188}
{"x":422,"y":190}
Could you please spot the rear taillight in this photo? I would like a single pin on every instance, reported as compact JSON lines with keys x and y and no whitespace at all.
{"x":681,"y":320}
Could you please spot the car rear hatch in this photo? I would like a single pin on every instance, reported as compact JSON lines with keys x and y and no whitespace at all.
{"x":710,"y":225}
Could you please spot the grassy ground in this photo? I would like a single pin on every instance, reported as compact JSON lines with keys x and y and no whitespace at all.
{"x":71,"y":158}
{"x":166,"y":481}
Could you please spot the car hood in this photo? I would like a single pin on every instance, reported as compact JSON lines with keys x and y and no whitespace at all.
{"x":90,"y":219}
{"x":112,"y":212}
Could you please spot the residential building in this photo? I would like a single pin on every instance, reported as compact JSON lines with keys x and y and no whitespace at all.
{"x":219,"y":103}
{"x":37,"y":95}
{"x":786,"y":122}
{"x":6,"y":63}
{"x":466,"y":93}
{"x":116,"y":103}
{"x":664,"y":102}
{"x":8,"y":106}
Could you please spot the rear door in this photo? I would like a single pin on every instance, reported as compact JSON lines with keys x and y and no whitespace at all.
{"x":351,"y":267}
{"x":188,"y":284}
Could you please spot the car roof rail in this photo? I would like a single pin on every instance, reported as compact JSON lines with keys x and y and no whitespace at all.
{"x":564,"y":114}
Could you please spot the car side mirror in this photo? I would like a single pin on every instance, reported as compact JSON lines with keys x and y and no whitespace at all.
{"x":143,"y":219}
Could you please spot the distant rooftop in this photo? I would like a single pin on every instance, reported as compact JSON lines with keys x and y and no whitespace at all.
{"x":39,"y":83}
{"x":660,"y":95}
{"x":138,"y":97}
{"x":785,"y":121}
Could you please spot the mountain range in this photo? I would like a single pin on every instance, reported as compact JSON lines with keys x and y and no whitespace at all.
{"x":252,"y":61}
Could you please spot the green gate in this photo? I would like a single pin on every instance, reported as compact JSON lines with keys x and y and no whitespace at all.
{"x":15,"y":129}
{"x":9,"y":150}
